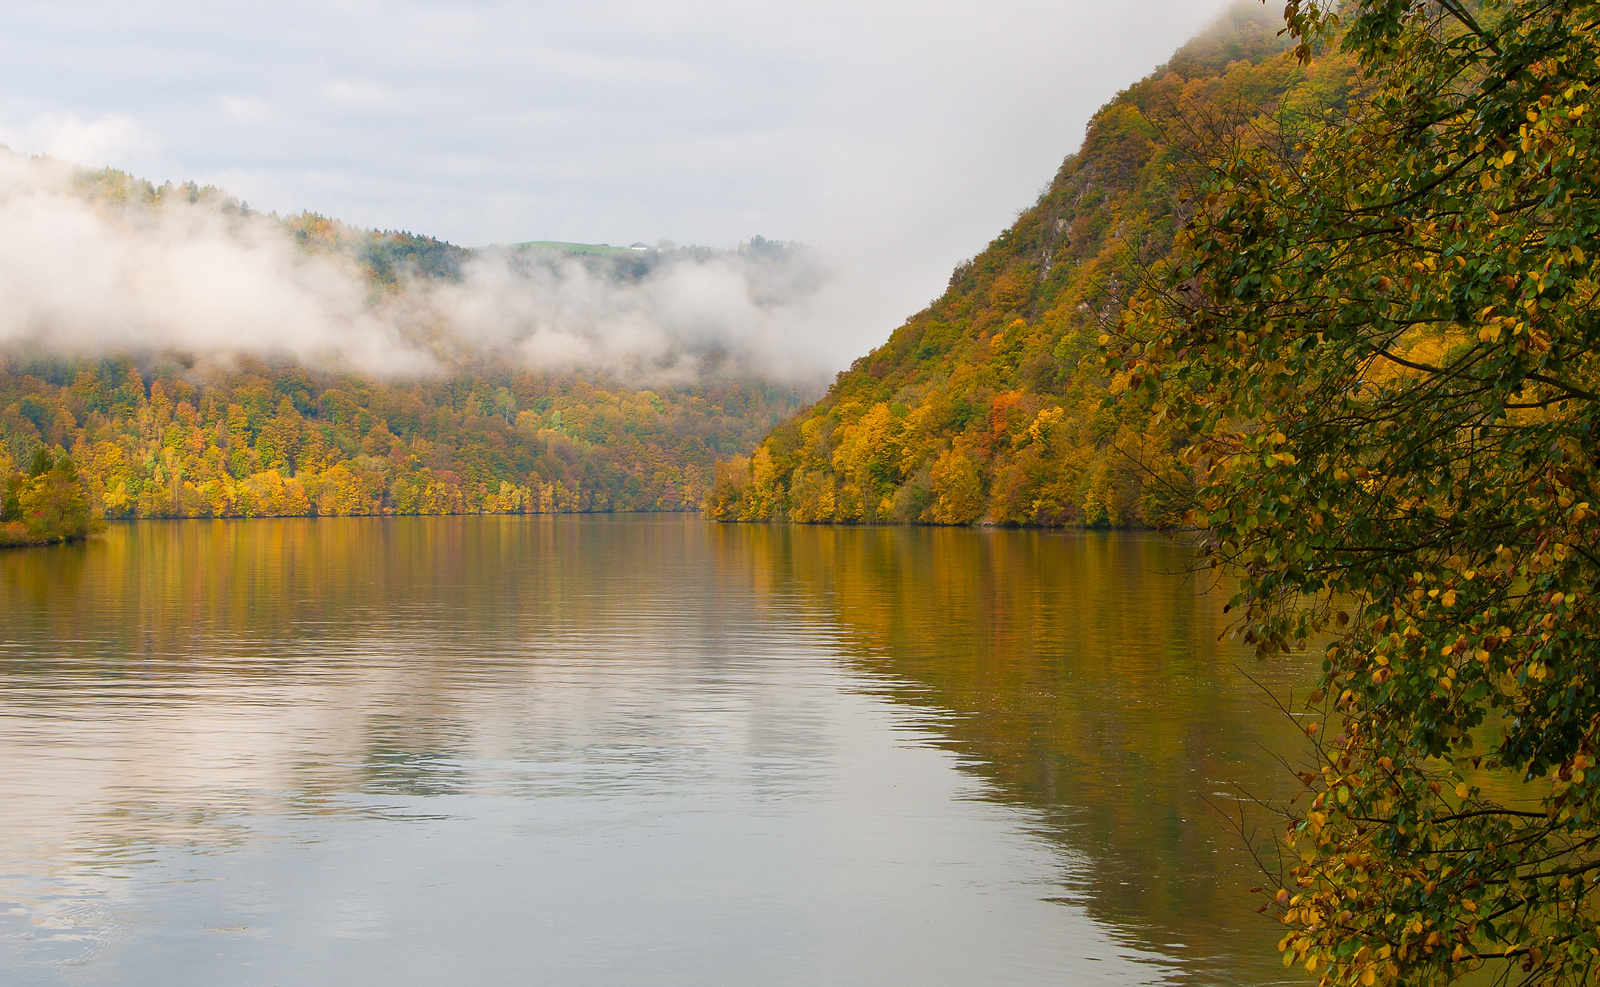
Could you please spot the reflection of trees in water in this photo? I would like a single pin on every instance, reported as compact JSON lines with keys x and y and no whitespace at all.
{"x":247,"y":649}
{"x":208,"y":591}
{"x":1083,"y":676}
{"x":309,"y":661}
{"x":1074,"y":672}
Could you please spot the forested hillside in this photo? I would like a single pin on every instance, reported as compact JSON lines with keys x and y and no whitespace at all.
{"x":984,"y":406}
{"x":167,"y":431}
{"x":178,"y":440}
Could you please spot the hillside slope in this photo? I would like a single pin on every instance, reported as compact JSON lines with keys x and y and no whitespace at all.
{"x":158,"y":429}
{"x":186,"y":439}
{"x":988,"y":405}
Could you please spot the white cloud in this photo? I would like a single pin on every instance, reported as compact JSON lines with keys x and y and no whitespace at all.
{"x":108,"y":139}
{"x":755,"y":314}
{"x":79,"y":274}
{"x":896,"y":136}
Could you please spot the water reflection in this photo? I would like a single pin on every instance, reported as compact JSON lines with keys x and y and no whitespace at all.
{"x":604,"y":750}
{"x":1082,"y":673}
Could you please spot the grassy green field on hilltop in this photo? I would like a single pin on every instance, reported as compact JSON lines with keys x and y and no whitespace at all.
{"x":562,"y":247}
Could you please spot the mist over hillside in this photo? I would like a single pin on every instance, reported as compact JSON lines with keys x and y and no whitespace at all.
{"x":195,"y":358}
{"x":99,"y":262}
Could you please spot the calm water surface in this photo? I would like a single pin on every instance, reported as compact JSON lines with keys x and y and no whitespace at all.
{"x":623,"y":751}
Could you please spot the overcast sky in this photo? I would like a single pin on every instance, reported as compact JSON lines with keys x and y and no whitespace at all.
{"x":897,"y":137}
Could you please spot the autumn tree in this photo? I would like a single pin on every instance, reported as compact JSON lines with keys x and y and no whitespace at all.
{"x":936,"y":425}
{"x":47,"y":504}
{"x":1384,"y":329}
{"x":285,"y":439}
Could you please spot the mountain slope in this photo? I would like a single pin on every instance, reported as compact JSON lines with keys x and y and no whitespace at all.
{"x":166,"y":409}
{"x":988,"y":405}
{"x":179,"y":438}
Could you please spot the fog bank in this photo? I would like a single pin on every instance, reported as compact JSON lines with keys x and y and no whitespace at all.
{"x":87,"y":268}
{"x":898,"y":137}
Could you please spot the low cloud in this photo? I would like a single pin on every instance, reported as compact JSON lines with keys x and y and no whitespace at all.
{"x":109,"y":137}
{"x":685,"y":313}
{"x":90,"y":265}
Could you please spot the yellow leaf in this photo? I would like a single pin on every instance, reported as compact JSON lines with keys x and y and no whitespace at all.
{"x":1462,"y":790}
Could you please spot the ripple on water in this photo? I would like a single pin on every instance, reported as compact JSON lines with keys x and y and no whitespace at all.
{"x":599,"y":751}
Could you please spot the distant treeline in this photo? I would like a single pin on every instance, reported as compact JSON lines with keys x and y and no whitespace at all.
{"x":170,"y":438}
{"x":391,"y":257}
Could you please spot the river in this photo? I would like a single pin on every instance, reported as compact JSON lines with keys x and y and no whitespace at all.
{"x":640,"y":750}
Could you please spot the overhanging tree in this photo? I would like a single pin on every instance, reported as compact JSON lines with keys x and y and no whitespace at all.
{"x":1384,"y":329}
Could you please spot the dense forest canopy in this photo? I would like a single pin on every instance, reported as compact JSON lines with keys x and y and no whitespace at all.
{"x":989,"y":404}
{"x":256,"y":439}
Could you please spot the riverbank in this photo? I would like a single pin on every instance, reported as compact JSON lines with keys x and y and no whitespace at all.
{"x":16,"y":535}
